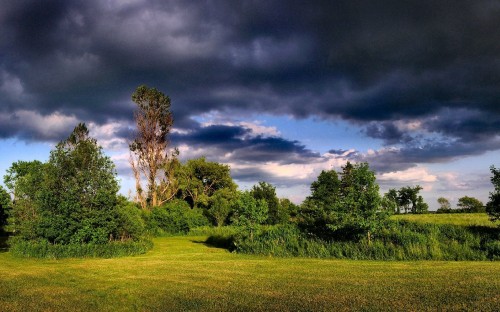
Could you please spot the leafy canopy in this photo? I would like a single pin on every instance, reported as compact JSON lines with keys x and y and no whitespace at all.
{"x":345,"y":207}
{"x":493,"y":206}
{"x":70,"y":199}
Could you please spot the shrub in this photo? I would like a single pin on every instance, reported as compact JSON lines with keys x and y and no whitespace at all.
{"x":130,"y":221}
{"x":401,"y":240}
{"x":346,"y":209}
{"x":175,"y":217}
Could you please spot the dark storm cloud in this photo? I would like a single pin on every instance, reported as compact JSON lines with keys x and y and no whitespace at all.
{"x":244,"y":146}
{"x":369,"y":62}
{"x":388,"y":132}
{"x":397,"y":159}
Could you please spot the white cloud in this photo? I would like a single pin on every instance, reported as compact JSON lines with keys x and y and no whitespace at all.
{"x":45,"y":126}
{"x":107,"y":135}
{"x":411,"y":175}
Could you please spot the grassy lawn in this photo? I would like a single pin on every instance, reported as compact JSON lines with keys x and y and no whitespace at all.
{"x":466,"y":219}
{"x":182,"y":273}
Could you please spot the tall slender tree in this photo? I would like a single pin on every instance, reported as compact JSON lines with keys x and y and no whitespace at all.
{"x":150,"y":158}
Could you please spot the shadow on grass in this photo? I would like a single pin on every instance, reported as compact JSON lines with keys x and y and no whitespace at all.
{"x":486,"y":232}
{"x":4,"y":247}
{"x":217,"y":242}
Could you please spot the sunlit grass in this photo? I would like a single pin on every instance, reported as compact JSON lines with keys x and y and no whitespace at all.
{"x":182,"y":273}
{"x":465,"y":219}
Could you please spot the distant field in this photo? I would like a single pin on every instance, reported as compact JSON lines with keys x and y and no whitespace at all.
{"x":466,"y":219}
{"x":182,"y":273}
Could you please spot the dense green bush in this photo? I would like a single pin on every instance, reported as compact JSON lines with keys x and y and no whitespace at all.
{"x":175,"y":217}
{"x":68,"y":207}
{"x":396,"y":240}
{"x":130,"y":220}
{"x":5,"y":204}
{"x":347,"y":208}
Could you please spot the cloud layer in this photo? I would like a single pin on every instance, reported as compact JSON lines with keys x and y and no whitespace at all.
{"x":421,"y":76}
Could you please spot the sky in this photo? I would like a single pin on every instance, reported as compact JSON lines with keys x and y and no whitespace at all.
{"x":278,"y":90}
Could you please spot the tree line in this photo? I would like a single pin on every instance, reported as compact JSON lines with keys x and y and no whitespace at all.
{"x":72,"y":199}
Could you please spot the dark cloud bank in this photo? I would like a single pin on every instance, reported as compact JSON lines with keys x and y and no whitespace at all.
{"x":378,"y":65}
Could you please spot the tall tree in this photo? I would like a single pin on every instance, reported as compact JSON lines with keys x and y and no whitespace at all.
{"x":325,"y":191}
{"x":149,"y":155}
{"x":470,"y":204}
{"x":360,"y":199}
{"x":79,"y":192}
{"x":390,"y":202}
{"x":25,"y":180}
{"x":344,"y":208}
{"x":199,"y":179}
{"x":421,"y":206}
{"x":444,"y":204}
{"x":493,"y":206}
{"x":70,"y":199}
{"x":249,"y":212}
{"x":267,"y":192}
{"x":409,"y":196}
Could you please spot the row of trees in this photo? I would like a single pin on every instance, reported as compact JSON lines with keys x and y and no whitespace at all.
{"x":405,"y":199}
{"x":72,"y":198}
{"x":465,"y":204}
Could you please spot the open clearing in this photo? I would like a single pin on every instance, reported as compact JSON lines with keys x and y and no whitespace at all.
{"x":182,"y":273}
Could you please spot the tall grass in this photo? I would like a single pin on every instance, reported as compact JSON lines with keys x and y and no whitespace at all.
{"x":44,"y":249}
{"x":398,"y":240}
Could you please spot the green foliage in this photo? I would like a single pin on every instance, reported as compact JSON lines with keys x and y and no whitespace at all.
{"x":5,"y":206}
{"x":400,"y":240}
{"x":444,"y":204}
{"x":493,"y":206}
{"x":390,"y":202}
{"x":250,"y":212}
{"x":149,"y":158}
{"x":388,"y":205}
{"x":175,"y":217}
{"x":221,"y":205}
{"x":421,"y":206}
{"x":267,"y":192}
{"x":287,"y":211}
{"x":70,"y":201}
{"x":25,"y":180}
{"x":409,"y":196}
{"x":199,"y":179}
{"x":223,"y":231}
{"x":153,"y":102}
{"x":131,"y":224}
{"x":44,"y":249}
{"x":78,"y":195}
{"x":470,"y":204}
{"x":343,"y":209}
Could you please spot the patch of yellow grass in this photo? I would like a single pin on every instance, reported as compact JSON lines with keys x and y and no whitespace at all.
{"x":465,"y":219}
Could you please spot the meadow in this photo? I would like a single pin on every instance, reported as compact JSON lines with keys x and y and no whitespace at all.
{"x":464,"y":219}
{"x":184,"y":273}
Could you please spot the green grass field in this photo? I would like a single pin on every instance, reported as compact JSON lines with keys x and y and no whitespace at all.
{"x":182,"y":273}
{"x":466,"y":219}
